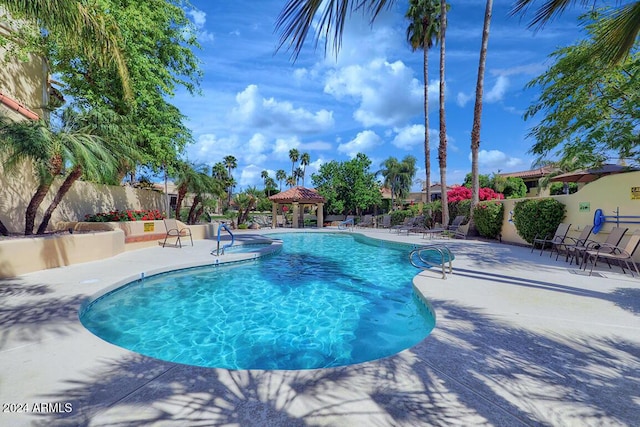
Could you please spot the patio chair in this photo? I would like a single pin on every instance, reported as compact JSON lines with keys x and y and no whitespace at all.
{"x":408,"y":221}
{"x":553,"y":240}
{"x":614,"y":238}
{"x":569,"y":243}
{"x":174,"y":230}
{"x":347,"y":223}
{"x":367,"y":221}
{"x":615,"y":253}
{"x":451,"y":230}
{"x":414,"y":223}
{"x":386,"y":221}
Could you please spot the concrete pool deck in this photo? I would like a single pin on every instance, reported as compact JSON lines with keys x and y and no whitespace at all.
{"x":520,"y":339}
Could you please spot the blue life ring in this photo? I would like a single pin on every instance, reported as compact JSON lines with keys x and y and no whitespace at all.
{"x":598,"y":221}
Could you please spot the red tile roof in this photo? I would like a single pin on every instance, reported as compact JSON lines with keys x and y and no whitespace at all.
{"x":533,"y":173}
{"x":298,"y":194}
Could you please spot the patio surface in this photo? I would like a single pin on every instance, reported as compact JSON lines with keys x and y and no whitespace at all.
{"x":520,"y":340}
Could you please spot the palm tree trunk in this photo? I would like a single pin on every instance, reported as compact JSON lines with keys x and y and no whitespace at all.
{"x":75,"y":174}
{"x":427,"y":147}
{"x":191,"y":218}
{"x":181,"y":193}
{"x":442,"y":147}
{"x":477,"y":111}
{"x":34,"y":204}
{"x":3,"y":229}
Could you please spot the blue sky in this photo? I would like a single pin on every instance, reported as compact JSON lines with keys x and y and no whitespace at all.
{"x":257,"y":104}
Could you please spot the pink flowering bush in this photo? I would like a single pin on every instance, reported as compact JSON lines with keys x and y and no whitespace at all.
{"x":457,"y":194}
{"x":128,"y":215}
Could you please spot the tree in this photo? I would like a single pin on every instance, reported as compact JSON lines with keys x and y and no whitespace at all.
{"x":194,"y":179}
{"x":442,"y":147}
{"x":281,"y":175}
{"x":264,"y":175}
{"x":477,"y":111}
{"x":398,"y":175}
{"x":305,"y":159}
{"x":158,"y":47}
{"x":294,"y":155}
{"x":348,"y":187}
{"x":590,"y":111}
{"x":230,"y":163}
{"x":422,"y":33}
{"x":619,"y":32}
{"x":84,"y":28}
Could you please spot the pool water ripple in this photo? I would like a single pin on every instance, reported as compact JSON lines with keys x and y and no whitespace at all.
{"x":325,"y":300}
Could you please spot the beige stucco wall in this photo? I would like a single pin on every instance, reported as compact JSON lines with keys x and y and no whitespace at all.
{"x":20,"y":256}
{"x":83,"y":198}
{"x":23,"y":81}
{"x":607,"y":193}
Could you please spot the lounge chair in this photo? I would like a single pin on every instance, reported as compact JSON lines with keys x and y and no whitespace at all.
{"x":367,"y":221}
{"x":614,"y":238}
{"x":386,"y":221}
{"x":615,"y":253}
{"x":408,"y":221}
{"x":175,"y":230}
{"x":556,"y":239}
{"x":347,"y":223}
{"x":413,"y":223}
{"x":449,"y":231}
{"x":569,"y":243}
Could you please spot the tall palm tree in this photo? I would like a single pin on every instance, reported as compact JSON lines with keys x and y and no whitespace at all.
{"x":298,"y":174}
{"x":305,"y":159}
{"x":230,"y":163}
{"x":421,"y":34}
{"x":477,"y":110}
{"x":281,"y":175}
{"x":442,"y":147}
{"x":613,"y":44}
{"x":264,"y":175}
{"x":294,"y":155}
{"x":83,"y":26}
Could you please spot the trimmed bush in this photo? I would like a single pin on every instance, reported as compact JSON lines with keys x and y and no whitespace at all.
{"x":128,"y":215}
{"x":397,"y":217}
{"x":488,"y":219}
{"x":537,"y":217}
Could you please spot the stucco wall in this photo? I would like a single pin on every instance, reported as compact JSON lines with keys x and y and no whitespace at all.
{"x":607,"y":193}
{"x":23,"y":81}
{"x":83,"y":198}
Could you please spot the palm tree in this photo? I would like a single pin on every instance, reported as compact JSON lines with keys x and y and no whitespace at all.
{"x":230,"y":163}
{"x":264,"y":175}
{"x":442,"y":147}
{"x":305,"y":159}
{"x":291,"y":181}
{"x":620,"y":33}
{"x":83,"y":26}
{"x":281,"y":175}
{"x":294,"y":155}
{"x":477,"y":110}
{"x":73,"y":150}
{"x":421,"y":33}
{"x":298,"y":174}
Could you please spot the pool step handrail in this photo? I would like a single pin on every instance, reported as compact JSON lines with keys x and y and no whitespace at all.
{"x":228,"y":245}
{"x":444,"y":255}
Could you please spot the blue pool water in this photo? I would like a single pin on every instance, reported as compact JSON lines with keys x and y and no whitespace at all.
{"x":324,"y":300}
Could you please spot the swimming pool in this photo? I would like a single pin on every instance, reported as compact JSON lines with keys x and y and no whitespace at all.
{"x":324,"y":300}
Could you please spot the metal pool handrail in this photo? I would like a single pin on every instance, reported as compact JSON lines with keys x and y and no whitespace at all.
{"x":445,"y":254}
{"x":228,"y":245}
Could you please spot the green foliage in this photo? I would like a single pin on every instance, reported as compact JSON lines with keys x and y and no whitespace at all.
{"x":348,"y":187}
{"x":514,"y":188}
{"x":557,"y":188}
{"x":487,"y":217}
{"x":484,"y":180}
{"x":463,"y":207}
{"x":398,"y":217}
{"x":589,"y":110}
{"x":537,"y":217}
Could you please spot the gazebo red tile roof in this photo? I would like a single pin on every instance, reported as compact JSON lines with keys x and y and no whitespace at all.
{"x":298,"y":194}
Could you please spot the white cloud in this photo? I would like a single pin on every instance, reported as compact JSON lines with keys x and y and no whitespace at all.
{"x":387,"y":93}
{"x":463,"y":98}
{"x":498,"y":90}
{"x":363,"y":142}
{"x":254,"y":111}
{"x":250,"y":176}
{"x":199,"y":19}
{"x":493,"y":160}
{"x":408,"y":137}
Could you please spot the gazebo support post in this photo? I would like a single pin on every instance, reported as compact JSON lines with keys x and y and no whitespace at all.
{"x":320,"y":214}
{"x":296,"y":215}
{"x":274,"y":215}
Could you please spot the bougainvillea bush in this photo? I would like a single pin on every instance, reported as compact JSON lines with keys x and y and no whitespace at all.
{"x":128,"y":215}
{"x":463,"y":193}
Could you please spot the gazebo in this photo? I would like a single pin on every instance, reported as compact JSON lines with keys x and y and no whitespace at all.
{"x":298,"y":196}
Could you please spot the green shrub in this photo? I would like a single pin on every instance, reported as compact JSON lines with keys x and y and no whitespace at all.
{"x":537,"y":217}
{"x":488,"y":218}
{"x":462,"y":207}
{"x":397,"y":217}
{"x":128,"y":215}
